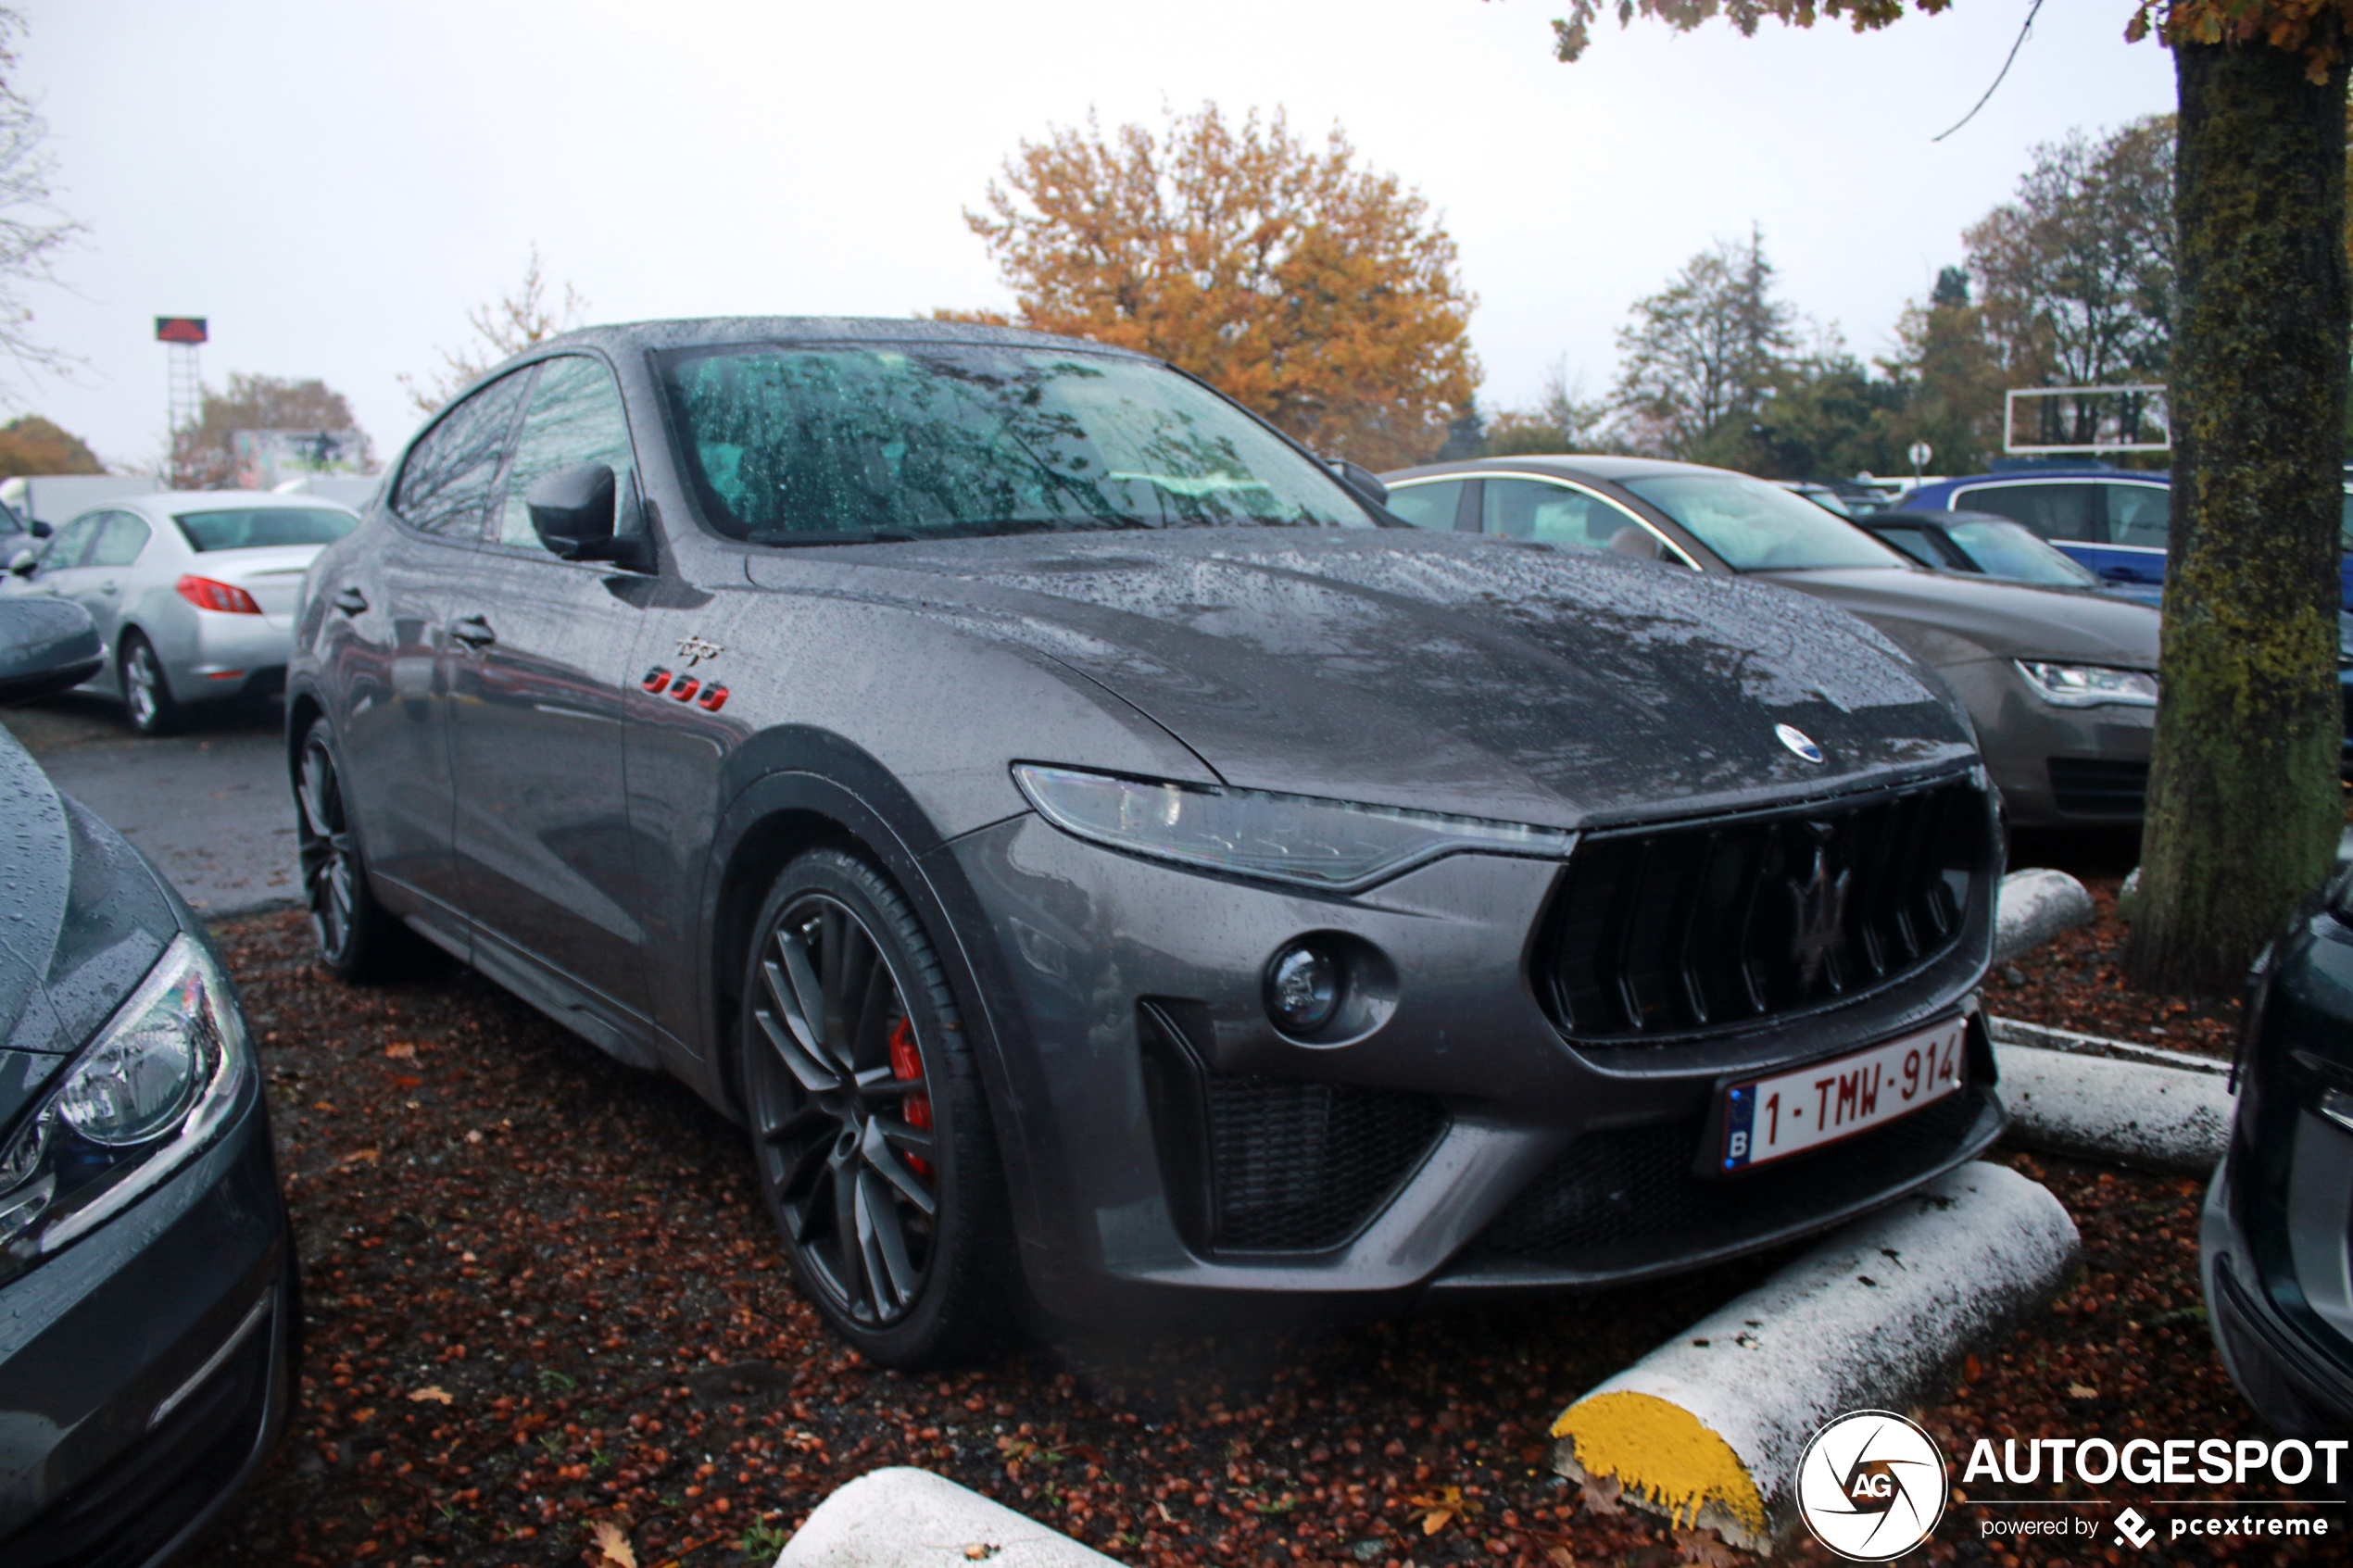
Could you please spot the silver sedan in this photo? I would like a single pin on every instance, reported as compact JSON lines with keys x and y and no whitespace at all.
{"x":193,"y":591}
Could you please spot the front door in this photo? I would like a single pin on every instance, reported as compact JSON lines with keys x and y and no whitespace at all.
{"x":543,"y":655}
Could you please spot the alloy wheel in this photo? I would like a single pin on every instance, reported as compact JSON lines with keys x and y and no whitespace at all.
{"x":142,"y":685}
{"x":842,"y":1111}
{"x":330,"y":859}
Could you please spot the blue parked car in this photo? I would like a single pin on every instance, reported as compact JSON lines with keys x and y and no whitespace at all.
{"x":2114,"y":520}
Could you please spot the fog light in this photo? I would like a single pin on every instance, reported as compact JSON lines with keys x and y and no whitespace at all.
{"x":1302,"y":988}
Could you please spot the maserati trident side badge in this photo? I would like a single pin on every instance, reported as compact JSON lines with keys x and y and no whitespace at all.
{"x":693,"y":650}
{"x":1797,"y":740}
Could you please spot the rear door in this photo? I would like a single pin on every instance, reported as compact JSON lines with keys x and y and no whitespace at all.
{"x":542,"y":653}
{"x":2139,"y":516}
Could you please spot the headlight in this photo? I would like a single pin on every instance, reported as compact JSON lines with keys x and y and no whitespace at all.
{"x":1328,"y":844}
{"x":142,"y":1099}
{"x":2085,"y":686}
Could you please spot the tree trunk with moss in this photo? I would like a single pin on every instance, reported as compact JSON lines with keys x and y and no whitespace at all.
{"x":2243,"y":807}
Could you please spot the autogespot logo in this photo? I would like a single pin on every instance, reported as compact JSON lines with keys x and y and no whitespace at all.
{"x":1871,"y":1486}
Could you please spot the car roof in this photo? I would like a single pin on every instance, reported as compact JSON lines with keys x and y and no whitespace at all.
{"x":713,"y":331}
{"x":1594,"y":466}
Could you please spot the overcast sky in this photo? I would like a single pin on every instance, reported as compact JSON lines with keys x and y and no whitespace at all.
{"x":336,"y":186}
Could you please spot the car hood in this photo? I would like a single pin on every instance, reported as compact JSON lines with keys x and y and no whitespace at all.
{"x":1950,"y":619}
{"x":82,"y":922}
{"x":1435,"y":672}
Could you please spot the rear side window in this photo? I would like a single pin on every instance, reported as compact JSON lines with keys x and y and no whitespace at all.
{"x":1433,"y":505}
{"x":1549,"y":514}
{"x":118,"y":541}
{"x":445,"y":485}
{"x":575,"y":417}
{"x":2055,"y":511}
{"x":2138,"y":514}
{"x":251,"y":528}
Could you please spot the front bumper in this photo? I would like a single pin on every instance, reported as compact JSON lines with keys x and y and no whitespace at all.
{"x":1447,"y":1139}
{"x":145,"y":1370}
{"x":2056,"y":765}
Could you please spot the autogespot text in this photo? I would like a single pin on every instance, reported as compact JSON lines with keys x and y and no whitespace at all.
{"x":2149,"y":1462}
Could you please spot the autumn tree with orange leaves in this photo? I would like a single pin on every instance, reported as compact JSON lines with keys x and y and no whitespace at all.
{"x":1318,"y":293}
{"x":2245,"y":808}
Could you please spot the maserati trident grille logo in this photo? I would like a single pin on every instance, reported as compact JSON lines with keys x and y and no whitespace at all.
{"x":1818,"y":912}
{"x":1797,"y":740}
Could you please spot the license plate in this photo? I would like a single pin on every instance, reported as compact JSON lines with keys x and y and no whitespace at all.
{"x":1770,"y":1118}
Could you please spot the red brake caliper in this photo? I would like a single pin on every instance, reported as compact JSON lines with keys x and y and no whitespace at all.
{"x":906,"y":1065}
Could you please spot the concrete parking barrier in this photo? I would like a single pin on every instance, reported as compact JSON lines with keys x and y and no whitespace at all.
{"x":2140,"y":1113}
{"x":1708,"y":1428}
{"x":2033,"y":906}
{"x":900,"y":1517}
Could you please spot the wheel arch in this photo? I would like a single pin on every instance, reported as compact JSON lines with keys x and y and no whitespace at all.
{"x":797,"y":789}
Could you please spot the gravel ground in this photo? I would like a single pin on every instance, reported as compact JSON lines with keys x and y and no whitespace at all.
{"x":548,"y":1320}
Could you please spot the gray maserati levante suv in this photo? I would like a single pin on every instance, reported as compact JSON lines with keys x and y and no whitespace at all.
{"x":1100,"y":853}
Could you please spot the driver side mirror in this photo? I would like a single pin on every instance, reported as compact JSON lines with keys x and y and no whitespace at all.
{"x":572,"y":510}
{"x":46,"y":646}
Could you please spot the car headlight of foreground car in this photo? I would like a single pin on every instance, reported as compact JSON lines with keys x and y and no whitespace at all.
{"x":2085,"y":686}
{"x":1331,"y":846}
{"x":137,"y":1103}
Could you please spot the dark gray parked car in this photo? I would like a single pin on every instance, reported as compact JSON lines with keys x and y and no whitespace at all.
{"x":147,"y":1309}
{"x":1091,"y":847}
{"x":2061,"y":685}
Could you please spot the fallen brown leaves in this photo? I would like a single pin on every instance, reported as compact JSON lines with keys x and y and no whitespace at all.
{"x":2075,"y":983}
{"x":550,"y":1319}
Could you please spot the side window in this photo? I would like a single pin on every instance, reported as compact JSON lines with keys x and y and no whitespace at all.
{"x":1434,"y":504}
{"x":575,"y":417}
{"x":2055,"y":511}
{"x":1549,"y":514}
{"x":119,"y":541}
{"x":445,"y":485}
{"x":1914,"y":543}
{"x":72,"y":542}
{"x":2138,"y":514}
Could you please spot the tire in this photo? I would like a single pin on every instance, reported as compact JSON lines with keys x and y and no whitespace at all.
{"x":147,"y":694}
{"x":358,"y":938}
{"x":890,"y":1202}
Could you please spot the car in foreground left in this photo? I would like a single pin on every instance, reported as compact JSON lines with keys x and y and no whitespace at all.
{"x":148,"y":1303}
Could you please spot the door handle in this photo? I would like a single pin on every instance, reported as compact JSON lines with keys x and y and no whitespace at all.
{"x":351,"y":601}
{"x":472,"y":630}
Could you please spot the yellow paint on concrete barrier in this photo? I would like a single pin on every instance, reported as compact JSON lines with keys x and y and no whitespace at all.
{"x":1662,"y":1451}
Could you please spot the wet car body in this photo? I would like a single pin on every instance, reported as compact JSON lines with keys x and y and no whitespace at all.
{"x":650,"y":743}
{"x":2078,"y":760}
{"x":2277,"y":1241}
{"x":147,"y":1307}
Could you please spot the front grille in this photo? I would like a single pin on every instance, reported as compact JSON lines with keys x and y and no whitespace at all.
{"x":2087,"y":787}
{"x":1624,"y":1198}
{"x":1717,"y":924}
{"x":1252,"y":1164}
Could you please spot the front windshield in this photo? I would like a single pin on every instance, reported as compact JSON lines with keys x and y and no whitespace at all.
{"x":2008,"y":549}
{"x":246,"y":528}
{"x":1760,"y":527}
{"x":803,"y":446}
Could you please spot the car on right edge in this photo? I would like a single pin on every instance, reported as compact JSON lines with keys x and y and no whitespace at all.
{"x":2061,"y":683}
{"x":2278,"y":1233}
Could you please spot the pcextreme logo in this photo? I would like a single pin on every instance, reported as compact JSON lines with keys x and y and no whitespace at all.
{"x":1871,"y":1486}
